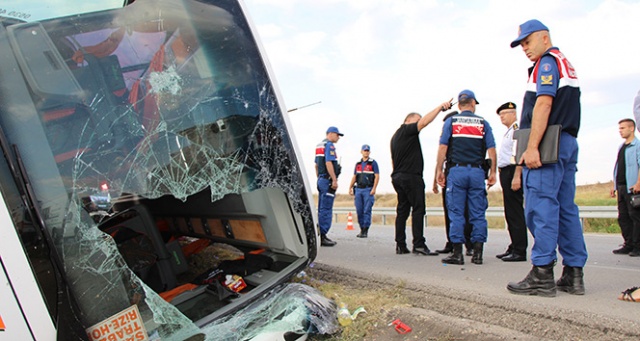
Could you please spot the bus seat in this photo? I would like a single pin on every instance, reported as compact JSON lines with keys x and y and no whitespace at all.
{"x":151,"y":261}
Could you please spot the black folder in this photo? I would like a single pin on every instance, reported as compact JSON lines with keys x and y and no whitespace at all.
{"x":549,"y":146}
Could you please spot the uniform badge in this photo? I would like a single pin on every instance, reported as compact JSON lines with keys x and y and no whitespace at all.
{"x":546,"y":80}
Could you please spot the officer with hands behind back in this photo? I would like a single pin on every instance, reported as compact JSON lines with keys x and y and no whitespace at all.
{"x":327,"y":170}
{"x":363,"y":185}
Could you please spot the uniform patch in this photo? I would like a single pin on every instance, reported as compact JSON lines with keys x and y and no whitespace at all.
{"x":546,"y":80}
{"x":471,"y":127}
{"x":546,"y":67}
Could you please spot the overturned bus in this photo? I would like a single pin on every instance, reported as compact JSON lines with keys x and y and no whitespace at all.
{"x":151,"y":184}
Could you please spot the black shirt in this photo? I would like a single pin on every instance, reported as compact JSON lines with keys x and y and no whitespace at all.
{"x":406,"y":152}
{"x":621,"y":179}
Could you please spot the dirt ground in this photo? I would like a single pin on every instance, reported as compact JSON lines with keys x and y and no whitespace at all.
{"x":434,"y":314}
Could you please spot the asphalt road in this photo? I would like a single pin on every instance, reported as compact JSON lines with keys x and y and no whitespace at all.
{"x":605,"y":274}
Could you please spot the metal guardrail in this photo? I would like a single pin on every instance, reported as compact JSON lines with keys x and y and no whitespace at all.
{"x":494,"y":211}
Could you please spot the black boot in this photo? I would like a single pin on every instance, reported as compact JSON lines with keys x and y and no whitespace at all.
{"x":571,"y":281}
{"x":469,"y":247}
{"x":448,"y":247}
{"x":539,"y":282}
{"x":363,"y":232}
{"x":456,"y":257}
{"x":477,"y":253}
{"x":401,"y":249}
{"x":324,"y":241}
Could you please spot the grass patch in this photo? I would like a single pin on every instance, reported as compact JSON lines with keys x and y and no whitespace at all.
{"x":376,"y":302}
{"x":383,"y":304}
{"x":591,"y":225}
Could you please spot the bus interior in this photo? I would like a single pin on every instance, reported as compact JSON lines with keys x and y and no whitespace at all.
{"x":148,"y":151}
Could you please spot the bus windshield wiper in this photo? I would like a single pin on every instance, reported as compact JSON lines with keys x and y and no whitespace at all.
{"x":18,"y":171}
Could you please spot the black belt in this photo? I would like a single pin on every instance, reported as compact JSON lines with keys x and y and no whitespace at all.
{"x":509,"y":166}
{"x":364,"y":186}
{"x":475,"y":165}
{"x":326,"y":176}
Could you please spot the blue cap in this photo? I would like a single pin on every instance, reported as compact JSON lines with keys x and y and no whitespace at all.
{"x":526,"y":29}
{"x":464,"y":94}
{"x":334,"y":130}
{"x":366,"y":147}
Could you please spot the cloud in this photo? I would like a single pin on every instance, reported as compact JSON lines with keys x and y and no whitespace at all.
{"x":598,"y":146}
{"x":357,"y":42}
{"x":371,"y":62}
{"x":270,"y":31}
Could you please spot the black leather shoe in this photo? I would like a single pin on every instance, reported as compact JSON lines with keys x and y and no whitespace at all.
{"x":363,"y":233}
{"x":448,"y":248}
{"x":469,"y":252}
{"x":635,"y":253}
{"x":324,"y":241}
{"x":502,"y":255}
{"x":456,"y":257}
{"x":538,"y":282}
{"x":424,"y":250}
{"x":571,"y":281}
{"x":476,"y":257}
{"x":401,"y":250}
{"x":514,"y":258}
{"x":622,"y":251}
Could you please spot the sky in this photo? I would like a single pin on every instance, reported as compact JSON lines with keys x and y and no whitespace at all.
{"x":371,"y":62}
{"x":363,"y":65}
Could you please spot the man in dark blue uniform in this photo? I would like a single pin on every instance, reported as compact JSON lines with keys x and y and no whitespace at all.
{"x":448,"y":247}
{"x":407,"y":180}
{"x":552,"y":97}
{"x":470,"y":139}
{"x":327,"y":170}
{"x":363,"y":185}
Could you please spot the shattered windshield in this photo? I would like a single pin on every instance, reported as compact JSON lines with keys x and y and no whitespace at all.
{"x":161,"y":100}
